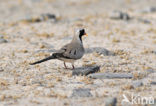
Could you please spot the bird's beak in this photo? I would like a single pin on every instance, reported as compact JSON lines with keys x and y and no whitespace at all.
{"x":86,"y":34}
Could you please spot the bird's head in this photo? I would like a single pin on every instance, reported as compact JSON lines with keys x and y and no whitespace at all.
{"x":79,"y":33}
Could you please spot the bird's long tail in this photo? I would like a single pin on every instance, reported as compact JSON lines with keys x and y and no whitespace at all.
{"x":43,"y":60}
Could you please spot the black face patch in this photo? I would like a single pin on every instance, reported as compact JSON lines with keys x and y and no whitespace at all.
{"x":75,"y":52}
{"x":81,"y":33}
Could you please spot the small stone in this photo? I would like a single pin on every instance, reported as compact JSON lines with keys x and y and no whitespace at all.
{"x":119,"y":15}
{"x":81,"y":92}
{"x":2,"y":40}
{"x":154,"y":103}
{"x":1,"y":36}
{"x":1,"y":70}
{"x":85,"y":70}
{"x":35,"y":19}
{"x":154,"y":52}
{"x":48,"y":16}
{"x":149,"y":10}
{"x":137,"y":83}
{"x":100,"y":50}
{"x":111,"y":101}
{"x":110,"y":75}
{"x":31,"y":19}
{"x":153,"y":83}
{"x":145,"y":21}
{"x":150,"y":71}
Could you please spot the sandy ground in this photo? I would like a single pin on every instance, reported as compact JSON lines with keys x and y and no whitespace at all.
{"x":133,"y":41}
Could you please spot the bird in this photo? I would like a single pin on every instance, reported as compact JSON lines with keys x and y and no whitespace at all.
{"x":69,"y":52}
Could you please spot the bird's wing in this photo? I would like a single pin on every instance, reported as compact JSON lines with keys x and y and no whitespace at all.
{"x":71,"y":51}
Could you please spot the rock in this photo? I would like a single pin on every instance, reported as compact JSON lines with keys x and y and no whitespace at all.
{"x":150,"y":71}
{"x":43,"y":17}
{"x":1,"y":36}
{"x":153,"y":83}
{"x":154,"y":103}
{"x":81,"y":92}
{"x":100,"y":50}
{"x":85,"y":70}
{"x":137,"y":83}
{"x":111,"y":101}
{"x":145,"y":21}
{"x":1,"y":70}
{"x":119,"y":15}
{"x":37,"y":82}
{"x":2,"y":40}
{"x":111,"y":75}
{"x":48,"y":16}
{"x":149,"y":10}
{"x":154,"y":52}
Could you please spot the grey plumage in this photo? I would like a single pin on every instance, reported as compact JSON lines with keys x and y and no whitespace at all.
{"x":70,"y":52}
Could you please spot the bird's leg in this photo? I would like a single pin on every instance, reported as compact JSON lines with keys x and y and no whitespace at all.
{"x":73,"y":66}
{"x":65,"y":65}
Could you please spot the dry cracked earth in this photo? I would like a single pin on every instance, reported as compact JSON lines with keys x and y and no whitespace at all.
{"x":120,"y":56}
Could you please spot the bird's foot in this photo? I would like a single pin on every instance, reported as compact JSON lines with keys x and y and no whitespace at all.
{"x":73,"y":67}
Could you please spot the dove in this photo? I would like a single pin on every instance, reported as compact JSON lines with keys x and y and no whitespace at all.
{"x":69,"y":52}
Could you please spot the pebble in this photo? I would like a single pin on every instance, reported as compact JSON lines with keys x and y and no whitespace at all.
{"x":119,"y":15}
{"x":1,"y":70}
{"x":153,"y":83}
{"x":81,"y":92}
{"x":48,"y":16}
{"x":154,"y":52}
{"x":111,"y":101}
{"x":111,"y":75}
{"x":100,"y":50}
{"x":2,"y":40}
{"x":42,"y":17}
{"x":85,"y":70}
{"x":154,"y":103}
{"x":150,"y":71}
{"x":1,"y":36}
{"x":149,"y":10}
{"x":137,"y":83}
{"x":145,"y":21}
